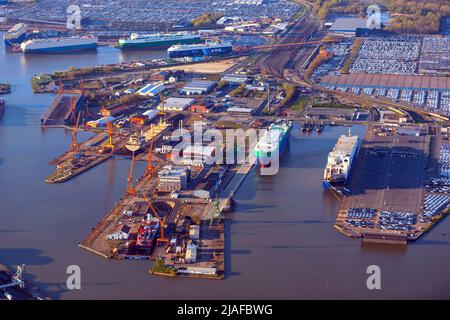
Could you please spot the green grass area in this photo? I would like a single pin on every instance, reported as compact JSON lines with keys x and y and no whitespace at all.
{"x":160,"y":267}
{"x":331,"y":105}
{"x":299,"y":104}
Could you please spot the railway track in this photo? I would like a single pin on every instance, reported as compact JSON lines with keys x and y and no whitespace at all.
{"x":276,"y":61}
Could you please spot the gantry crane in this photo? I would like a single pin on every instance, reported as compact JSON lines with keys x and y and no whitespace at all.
{"x":163,"y":102}
{"x":150,"y":170}
{"x":82,"y":85}
{"x":161,"y":221}
{"x":60,"y":88}
{"x":109,"y":129}
{"x":75,"y":145}
{"x":131,"y":190}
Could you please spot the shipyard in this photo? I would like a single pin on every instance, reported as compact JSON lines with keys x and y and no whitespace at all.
{"x":189,"y":127}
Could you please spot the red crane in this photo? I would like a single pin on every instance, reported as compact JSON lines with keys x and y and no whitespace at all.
{"x":131,"y":190}
{"x":75,"y":146}
{"x":161,"y":221}
{"x":109,"y":129}
{"x":150,"y":170}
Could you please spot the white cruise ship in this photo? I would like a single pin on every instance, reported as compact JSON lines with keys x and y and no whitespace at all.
{"x":59,"y":45}
{"x":340,"y":160}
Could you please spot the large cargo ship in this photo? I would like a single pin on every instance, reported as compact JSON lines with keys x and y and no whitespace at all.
{"x":59,"y":45}
{"x":16,"y":34}
{"x":158,"y":40}
{"x":340,"y":160}
{"x":199,"y":50}
{"x":273,"y":142}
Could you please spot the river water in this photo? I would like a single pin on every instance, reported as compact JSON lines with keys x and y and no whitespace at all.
{"x":280,"y":242}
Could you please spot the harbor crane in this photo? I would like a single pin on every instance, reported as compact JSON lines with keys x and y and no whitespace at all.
{"x":132,"y":146}
{"x":60,"y":87}
{"x":16,"y":279}
{"x":109,"y":144}
{"x":150,"y":170}
{"x":131,"y":190}
{"x":161,"y":221}
{"x":163,"y":102}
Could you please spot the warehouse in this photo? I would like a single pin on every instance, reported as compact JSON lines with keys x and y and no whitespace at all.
{"x":348,"y":26}
{"x":235,"y":78}
{"x":197,"y":87}
{"x":176,"y":104}
{"x":198,"y":155}
{"x":151,"y":89}
{"x":237,"y":111}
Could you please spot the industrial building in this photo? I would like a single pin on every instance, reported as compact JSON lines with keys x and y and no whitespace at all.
{"x":191,"y":253}
{"x":171,"y":178}
{"x":151,"y":89}
{"x":235,"y":78}
{"x":197,"y":87}
{"x":347,"y":26}
{"x":240,"y":111}
{"x":409,"y":131}
{"x":176,"y":104}
{"x":194,"y":232}
{"x":199,"y":108}
{"x":198,"y":155}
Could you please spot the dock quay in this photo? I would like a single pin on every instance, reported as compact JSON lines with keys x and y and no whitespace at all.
{"x":391,"y":200}
{"x":14,"y":287}
{"x":194,"y":237}
{"x":61,"y":112}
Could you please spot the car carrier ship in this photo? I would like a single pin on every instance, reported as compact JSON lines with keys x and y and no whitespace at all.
{"x":16,"y":34}
{"x":273,"y":142}
{"x":199,"y":50}
{"x":59,"y":45}
{"x":340,"y":161}
{"x":158,"y":40}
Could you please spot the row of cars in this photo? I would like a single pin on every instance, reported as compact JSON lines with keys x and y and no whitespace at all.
{"x":433,"y":204}
{"x":389,"y":220}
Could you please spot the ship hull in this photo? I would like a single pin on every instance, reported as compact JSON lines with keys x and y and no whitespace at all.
{"x":135,"y":45}
{"x":13,"y":41}
{"x":62,"y":49}
{"x":200,"y":52}
{"x":264,"y":159}
{"x":341,"y":180}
